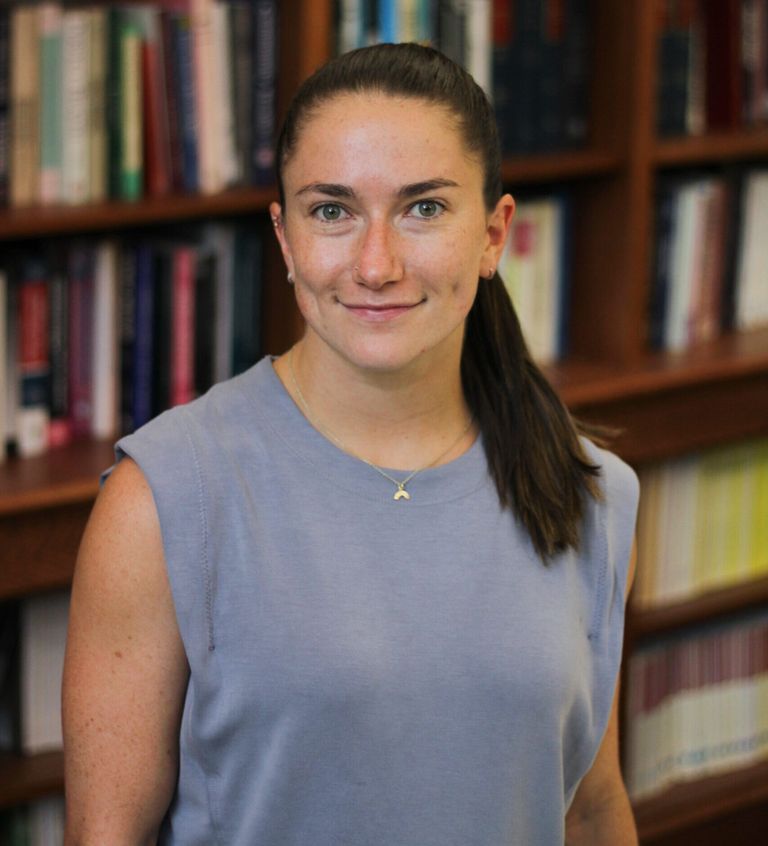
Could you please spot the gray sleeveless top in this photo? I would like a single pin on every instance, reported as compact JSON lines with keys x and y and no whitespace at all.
{"x":365,"y":671}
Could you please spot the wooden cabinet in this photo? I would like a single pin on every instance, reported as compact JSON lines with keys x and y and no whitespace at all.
{"x":664,"y":404}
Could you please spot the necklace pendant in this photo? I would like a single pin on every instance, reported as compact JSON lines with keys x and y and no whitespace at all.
{"x":401,"y":493}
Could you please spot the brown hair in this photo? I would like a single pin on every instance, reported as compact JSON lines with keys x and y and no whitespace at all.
{"x":532,"y":445}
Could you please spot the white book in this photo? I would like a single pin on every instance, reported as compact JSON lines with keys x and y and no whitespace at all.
{"x":97,"y":187}
{"x":4,"y":317}
{"x":478,"y":50}
{"x":201,"y":28}
{"x":75,"y":57}
{"x":43,"y":633}
{"x":105,"y":341}
{"x":224,"y":113}
{"x":752,"y":274}
{"x":350,"y":30}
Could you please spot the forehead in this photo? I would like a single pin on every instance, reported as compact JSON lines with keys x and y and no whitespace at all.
{"x":366,"y":135}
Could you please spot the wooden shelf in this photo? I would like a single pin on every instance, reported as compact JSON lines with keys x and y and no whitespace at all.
{"x":668,"y":404}
{"x":26,"y":778}
{"x":717,"y":603}
{"x":695,"y":802}
{"x":712,"y":148}
{"x":45,"y":221}
{"x":553,"y":167}
{"x":63,"y":476}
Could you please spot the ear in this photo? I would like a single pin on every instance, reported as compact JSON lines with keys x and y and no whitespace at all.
{"x":497,"y":229}
{"x":278,"y":225}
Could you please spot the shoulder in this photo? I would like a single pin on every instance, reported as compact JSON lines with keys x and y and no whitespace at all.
{"x":618,"y":481}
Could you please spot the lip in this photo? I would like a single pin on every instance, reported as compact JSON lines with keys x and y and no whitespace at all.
{"x":380,"y":313}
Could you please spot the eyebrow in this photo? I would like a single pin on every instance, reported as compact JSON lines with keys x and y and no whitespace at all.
{"x":413,"y":189}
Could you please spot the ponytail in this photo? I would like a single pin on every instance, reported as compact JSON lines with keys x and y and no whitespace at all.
{"x":532,"y":445}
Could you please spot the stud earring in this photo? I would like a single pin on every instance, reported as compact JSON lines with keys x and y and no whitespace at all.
{"x":491,"y":271}
{"x":290,"y":278}
{"x":275,"y":222}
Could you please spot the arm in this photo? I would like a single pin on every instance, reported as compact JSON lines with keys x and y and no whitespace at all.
{"x":125,"y":673}
{"x":600,"y":814}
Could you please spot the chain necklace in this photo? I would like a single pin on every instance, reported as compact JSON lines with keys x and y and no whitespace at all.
{"x":401,"y":492}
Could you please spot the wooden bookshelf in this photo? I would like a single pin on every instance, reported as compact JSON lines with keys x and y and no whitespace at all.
{"x":647,"y":622}
{"x":693,"y":805}
{"x":712,"y":148}
{"x":24,"y":778}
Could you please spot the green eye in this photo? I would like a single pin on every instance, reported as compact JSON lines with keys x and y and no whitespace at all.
{"x":428,"y":208}
{"x":330,"y":211}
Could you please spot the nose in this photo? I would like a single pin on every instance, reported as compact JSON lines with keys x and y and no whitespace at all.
{"x":378,"y":261}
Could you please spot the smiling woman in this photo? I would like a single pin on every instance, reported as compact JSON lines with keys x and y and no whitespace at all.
{"x":385,"y":572}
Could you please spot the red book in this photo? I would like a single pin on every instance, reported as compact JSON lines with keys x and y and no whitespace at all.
{"x":157,"y":146}
{"x":81,"y":340}
{"x":33,"y":362}
{"x":183,"y":325}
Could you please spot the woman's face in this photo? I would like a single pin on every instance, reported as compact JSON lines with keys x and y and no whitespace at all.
{"x":385,"y":231}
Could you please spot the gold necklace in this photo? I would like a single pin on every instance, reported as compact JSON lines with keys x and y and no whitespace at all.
{"x":401,"y":492}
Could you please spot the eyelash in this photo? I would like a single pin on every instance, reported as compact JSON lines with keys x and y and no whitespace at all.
{"x":314,"y":212}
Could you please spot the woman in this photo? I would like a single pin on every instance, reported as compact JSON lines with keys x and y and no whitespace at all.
{"x":277,"y":638}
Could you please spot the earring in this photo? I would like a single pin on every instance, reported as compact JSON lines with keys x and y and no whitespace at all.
{"x":290,"y":278}
{"x":275,"y":222}
{"x":491,"y":271}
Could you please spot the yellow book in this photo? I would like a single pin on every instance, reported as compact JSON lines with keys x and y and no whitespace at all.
{"x":758,"y":563}
{"x":25,"y":106}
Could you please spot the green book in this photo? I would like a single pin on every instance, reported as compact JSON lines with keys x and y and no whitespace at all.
{"x":50,"y":103}
{"x":132,"y":158}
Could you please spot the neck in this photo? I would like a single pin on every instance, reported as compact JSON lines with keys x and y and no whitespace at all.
{"x":399,"y":420}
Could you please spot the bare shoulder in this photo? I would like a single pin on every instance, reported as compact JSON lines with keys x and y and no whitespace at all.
{"x":125,"y":671}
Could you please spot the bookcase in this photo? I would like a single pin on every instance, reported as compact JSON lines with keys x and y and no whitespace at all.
{"x":663,"y":404}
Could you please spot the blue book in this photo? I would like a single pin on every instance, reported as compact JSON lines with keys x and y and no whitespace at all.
{"x":389,"y":26}
{"x":264,"y":85}
{"x":143,"y":346}
{"x":181,"y":46}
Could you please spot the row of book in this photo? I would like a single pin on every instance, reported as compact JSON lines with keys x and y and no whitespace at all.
{"x":530,"y":56}
{"x":535,"y":267}
{"x":712,"y":65}
{"x":711,"y":255}
{"x":100,"y":336}
{"x":703,"y":523}
{"x":40,"y":823}
{"x":140,"y":99}
{"x":697,"y":705}
{"x":33,"y":634}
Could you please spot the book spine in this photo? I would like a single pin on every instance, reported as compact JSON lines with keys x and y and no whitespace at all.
{"x":97,"y":117}
{"x":59,"y":432}
{"x":127,"y":334}
{"x":113,"y":103}
{"x":5,"y":129}
{"x":201,"y":25}
{"x":189,"y":120}
{"x":575,"y":79}
{"x":156,"y":130}
{"x":265,"y":79}
{"x":723,"y":63}
{"x":143,"y":337}
{"x":479,"y":59}
{"x":172,"y":101}
{"x":241,"y":41}
{"x":131,"y":101}
{"x":105,"y":341}
{"x":183,"y":334}
{"x":50,"y":19}
{"x":33,"y":362}
{"x":81,"y":340}
{"x":222,"y":85}
{"x":162,"y":328}
{"x":389,"y":25}
{"x":25,"y":107}
{"x":76,"y":118}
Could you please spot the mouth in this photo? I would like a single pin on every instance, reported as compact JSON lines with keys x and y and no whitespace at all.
{"x":382,"y":312}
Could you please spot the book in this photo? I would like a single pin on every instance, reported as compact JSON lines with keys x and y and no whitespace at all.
{"x":723,"y":63}
{"x":478,"y":56}
{"x":59,"y":428}
{"x":25,"y":106}
{"x":43,"y":634}
{"x":265,"y":34}
{"x":182,"y":364}
{"x":105,"y":346}
{"x":131,"y":121}
{"x":751,"y":292}
{"x":162,"y":327}
{"x":189,"y":118}
{"x":98,"y":169}
{"x":202,"y":29}
{"x":222,"y":85}
{"x":247,"y":310}
{"x":143,"y":340}
{"x":81,"y":354}
{"x":9,"y":677}
{"x":76,"y":52}
{"x":241,"y":53}
{"x":51,"y":91}
{"x":32,"y":415}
